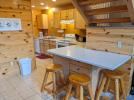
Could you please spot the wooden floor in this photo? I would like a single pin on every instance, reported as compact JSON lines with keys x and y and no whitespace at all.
{"x":15,"y":87}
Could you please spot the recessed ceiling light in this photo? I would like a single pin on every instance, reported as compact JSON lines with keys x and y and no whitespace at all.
{"x":41,"y":3}
{"x":54,"y":0}
{"x":33,"y":6}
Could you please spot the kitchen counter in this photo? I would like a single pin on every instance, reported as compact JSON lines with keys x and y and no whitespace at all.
{"x":87,"y":61}
{"x":100,"y":59}
{"x":57,"y":39}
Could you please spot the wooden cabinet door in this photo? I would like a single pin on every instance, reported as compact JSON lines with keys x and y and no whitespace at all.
{"x":52,"y":45}
{"x":63,"y":14}
{"x":57,"y":19}
{"x":44,"y":46}
{"x":76,"y":68}
{"x":42,"y":21}
{"x":79,"y":21}
{"x":70,"y":14}
{"x":42,"y":49}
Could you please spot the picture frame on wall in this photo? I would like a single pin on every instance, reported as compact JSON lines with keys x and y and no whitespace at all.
{"x":10,"y":24}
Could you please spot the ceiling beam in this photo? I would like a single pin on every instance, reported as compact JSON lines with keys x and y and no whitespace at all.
{"x":130,"y":6}
{"x":81,"y":10}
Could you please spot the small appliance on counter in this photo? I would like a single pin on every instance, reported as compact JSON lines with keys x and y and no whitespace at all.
{"x":80,"y":38}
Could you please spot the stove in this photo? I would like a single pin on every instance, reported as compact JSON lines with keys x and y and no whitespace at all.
{"x":67,"y":41}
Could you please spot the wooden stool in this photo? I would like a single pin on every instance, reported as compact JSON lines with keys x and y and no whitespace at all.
{"x":79,"y":80}
{"x":117,"y":76}
{"x":54,"y":70}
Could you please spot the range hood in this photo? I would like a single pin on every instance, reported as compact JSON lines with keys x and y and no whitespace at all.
{"x":67,"y":21}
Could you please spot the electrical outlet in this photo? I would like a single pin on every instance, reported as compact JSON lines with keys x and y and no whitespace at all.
{"x":119,"y":44}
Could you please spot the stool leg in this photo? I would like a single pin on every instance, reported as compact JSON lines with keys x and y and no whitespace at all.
{"x":81,"y":93}
{"x":78,"y":91}
{"x":90,"y":92}
{"x":69,"y":92}
{"x":54,"y":85}
{"x":116,"y":89}
{"x":54,"y":82}
{"x":62,"y":77}
{"x":123,"y":88}
{"x":100,"y":90}
{"x":107,"y":85}
{"x":44,"y":81}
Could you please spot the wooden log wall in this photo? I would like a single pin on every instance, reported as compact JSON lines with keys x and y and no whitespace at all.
{"x":16,"y":44}
{"x":106,"y":39}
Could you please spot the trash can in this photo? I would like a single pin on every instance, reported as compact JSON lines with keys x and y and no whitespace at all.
{"x":25,"y":66}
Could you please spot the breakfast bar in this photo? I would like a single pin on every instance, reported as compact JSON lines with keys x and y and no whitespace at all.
{"x":87,"y":61}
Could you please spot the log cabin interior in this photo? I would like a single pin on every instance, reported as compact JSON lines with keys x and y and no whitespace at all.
{"x":66,"y":49}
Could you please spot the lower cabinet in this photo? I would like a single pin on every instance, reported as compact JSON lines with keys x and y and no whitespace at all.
{"x":46,"y":45}
{"x":78,"y":67}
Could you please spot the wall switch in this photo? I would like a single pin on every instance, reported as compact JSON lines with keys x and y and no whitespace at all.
{"x":119,"y":44}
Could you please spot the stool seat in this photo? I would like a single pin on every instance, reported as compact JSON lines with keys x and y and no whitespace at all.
{"x":54,"y":68}
{"x":80,"y":79}
{"x":113,"y":74}
{"x":117,"y":77}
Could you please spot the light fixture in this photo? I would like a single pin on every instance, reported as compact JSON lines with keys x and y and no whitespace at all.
{"x":42,"y":4}
{"x":53,"y":9}
{"x":67,"y":21}
{"x":46,"y":7}
{"x":54,"y":0}
{"x":33,"y":6}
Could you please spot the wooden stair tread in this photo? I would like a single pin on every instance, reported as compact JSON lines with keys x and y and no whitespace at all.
{"x":91,"y":2}
{"x":112,"y":20}
{"x":115,"y":9}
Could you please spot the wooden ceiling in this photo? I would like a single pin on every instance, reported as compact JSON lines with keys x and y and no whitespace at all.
{"x":91,"y":10}
{"x":49,"y":3}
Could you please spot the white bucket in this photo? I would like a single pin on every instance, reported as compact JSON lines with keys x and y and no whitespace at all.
{"x":25,"y":66}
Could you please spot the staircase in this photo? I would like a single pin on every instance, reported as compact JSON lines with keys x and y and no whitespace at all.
{"x":97,"y":12}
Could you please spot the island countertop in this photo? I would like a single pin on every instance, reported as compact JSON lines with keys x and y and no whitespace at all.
{"x":96,"y":58}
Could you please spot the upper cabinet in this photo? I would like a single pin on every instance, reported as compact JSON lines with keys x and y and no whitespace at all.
{"x":79,"y":21}
{"x":68,"y":15}
{"x":42,"y":21}
{"x":63,"y":14}
{"x":71,"y":14}
{"x":57,"y":20}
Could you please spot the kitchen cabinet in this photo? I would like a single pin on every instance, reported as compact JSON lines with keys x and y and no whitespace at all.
{"x":42,"y":21}
{"x":79,"y":21}
{"x":77,"y":67}
{"x":46,"y":45}
{"x":57,"y":19}
{"x":67,"y":14}
{"x":63,"y":14}
{"x":52,"y":44}
{"x":70,"y":14}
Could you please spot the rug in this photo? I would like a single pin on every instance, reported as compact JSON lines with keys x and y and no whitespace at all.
{"x":43,"y":56}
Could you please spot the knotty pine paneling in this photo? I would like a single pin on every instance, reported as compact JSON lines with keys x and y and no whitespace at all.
{"x":106,"y":39}
{"x":16,"y":44}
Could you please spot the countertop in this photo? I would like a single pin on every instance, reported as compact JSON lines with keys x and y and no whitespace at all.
{"x":102,"y":59}
{"x":56,"y":39}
